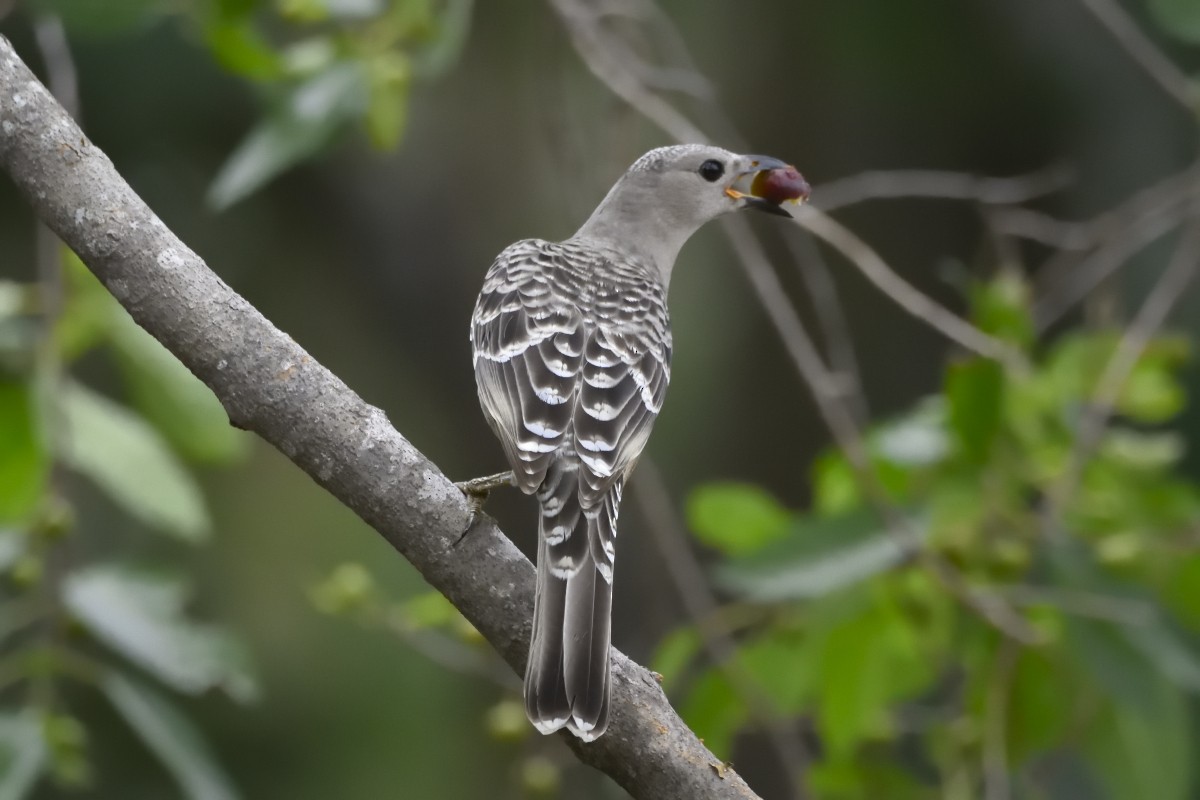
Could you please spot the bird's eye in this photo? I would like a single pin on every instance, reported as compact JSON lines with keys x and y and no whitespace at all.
{"x":711,"y":170}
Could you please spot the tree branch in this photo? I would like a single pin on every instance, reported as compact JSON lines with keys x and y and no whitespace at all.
{"x":268,"y":384}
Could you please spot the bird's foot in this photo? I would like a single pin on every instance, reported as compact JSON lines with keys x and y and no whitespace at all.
{"x":477,"y":490}
{"x":481,"y":487}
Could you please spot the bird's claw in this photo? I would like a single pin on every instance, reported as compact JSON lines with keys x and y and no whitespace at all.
{"x":477,"y":490}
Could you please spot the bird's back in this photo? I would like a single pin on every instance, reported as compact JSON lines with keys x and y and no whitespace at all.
{"x":572,"y":349}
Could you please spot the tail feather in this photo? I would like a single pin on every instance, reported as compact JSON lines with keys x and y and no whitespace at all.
{"x":546,"y":701}
{"x":567,"y":674}
{"x":586,"y":635}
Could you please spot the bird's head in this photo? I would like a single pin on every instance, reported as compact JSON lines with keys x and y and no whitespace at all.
{"x":701,"y":182}
{"x":671,"y":191}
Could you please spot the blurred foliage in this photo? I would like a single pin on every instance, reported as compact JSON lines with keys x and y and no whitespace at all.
{"x":341,"y":62}
{"x":116,"y":625}
{"x":1180,"y":18}
{"x":901,"y":691}
{"x":908,"y":692}
{"x":430,"y":624}
{"x":320,"y":66}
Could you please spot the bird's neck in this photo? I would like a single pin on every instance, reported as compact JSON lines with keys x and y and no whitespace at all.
{"x":641,"y":230}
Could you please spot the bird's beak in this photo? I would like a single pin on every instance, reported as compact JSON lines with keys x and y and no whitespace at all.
{"x":772,"y":183}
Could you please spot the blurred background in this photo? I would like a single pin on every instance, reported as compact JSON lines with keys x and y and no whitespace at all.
{"x":482,"y":126}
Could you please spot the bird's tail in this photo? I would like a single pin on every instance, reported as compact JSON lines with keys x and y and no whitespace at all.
{"x":567,"y":675}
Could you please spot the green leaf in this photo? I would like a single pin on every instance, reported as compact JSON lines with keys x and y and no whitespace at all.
{"x":239,"y":47}
{"x":1038,"y":714}
{"x":715,"y":712}
{"x":109,"y":18}
{"x":1180,"y":18}
{"x":129,"y":460}
{"x":297,"y":128}
{"x":835,"y":485}
{"x":1144,"y":751}
{"x":1183,"y":590}
{"x":917,"y":439}
{"x":22,"y":754}
{"x":783,"y":664}
{"x":1174,"y":657}
{"x":975,"y":394}
{"x":857,"y":779}
{"x":24,"y":462}
{"x":89,"y":311}
{"x":1002,"y":306}
{"x":387,"y":109}
{"x":350,"y":588}
{"x":169,"y":735}
{"x":450,"y":36}
{"x":819,"y":555}
{"x":1118,"y":665}
{"x":140,"y":615}
{"x":853,"y":684}
{"x":674,"y":653}
{"x":429,"y":610}
{"x":1142,"y":451}
{"x":736,"y":518}
{"x":66,"y":741}
{"x":1152,"y":394}
{"x":174,"y":399}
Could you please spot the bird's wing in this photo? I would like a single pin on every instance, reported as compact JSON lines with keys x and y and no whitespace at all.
{"x":527,"y":336}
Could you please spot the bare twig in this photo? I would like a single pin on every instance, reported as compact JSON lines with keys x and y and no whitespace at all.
{"x":1112,"y":239}
{"x":835,"y":328}
{"x":939,"y":185}
{"x":268,"y":384}
{"x":579,"y":18}
{"x":849,"y":438}
{"x":903,"y":293}
{"x":597,"y":51}
{"x":1150,"y":318}
{"x":1037,"y":226}
{"x":1092,"y":271}
{"x":1094,"y":605}
{"x":996,"y":782}
{"x":691,"y":584}
{"x":1147,"y":55}
{"x":582,"y":23}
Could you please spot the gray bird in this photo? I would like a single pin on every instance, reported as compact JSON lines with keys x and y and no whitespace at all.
{"x":572,"y":348}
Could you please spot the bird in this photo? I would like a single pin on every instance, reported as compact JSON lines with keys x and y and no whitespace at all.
{"x":571,"y":343}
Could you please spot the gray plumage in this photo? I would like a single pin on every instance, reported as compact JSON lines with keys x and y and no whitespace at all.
{"x":572,"y":351}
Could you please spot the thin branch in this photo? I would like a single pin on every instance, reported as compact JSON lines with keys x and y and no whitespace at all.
{"x":996,"y":782}
{"x":582,"y":23}
{"x":835,"y":328}
{"x":700,"y":605}
{"x":268,"y":384}
{"x":1100,"y":265}
{"x":1112,"y":239}
{"x":580,"y":18}
{"x":939,"y":185}
{"x":1143,"y":51}
{"x":1093,"y":605}
{"x":603,"y":57}
{"x":1150,"y":318}
{"x":904,"y":293}
{"x":1037,"y":226}
{"x":846,"y":433}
